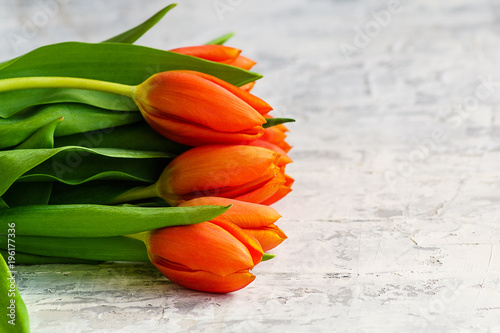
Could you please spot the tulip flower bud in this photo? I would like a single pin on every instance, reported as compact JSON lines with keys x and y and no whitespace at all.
{"x":256,"y":220}
{"x":218,"y":53}
{"x":209,"y":256}
{"x":198,"y":109}
{"x":276,"y":135}
{"x":246,"y":173}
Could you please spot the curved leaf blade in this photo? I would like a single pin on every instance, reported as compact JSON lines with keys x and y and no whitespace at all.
{"x":130,"y":36}
{"x":78,"y":118}
{"x":18,"y":322}
{"x":100,"y":220}
{"x":33,"y":259}
{"x":101,"y":248}
{"x":14,"y":163}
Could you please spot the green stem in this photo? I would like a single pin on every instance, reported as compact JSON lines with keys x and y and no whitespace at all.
{"x":66,"y":82}
{"x":138,"y":193}
{"x":139,"y":236}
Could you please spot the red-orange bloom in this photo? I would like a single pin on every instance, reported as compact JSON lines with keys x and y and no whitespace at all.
{"x":276,"y":135}
{"x":209,"y":256}
{"x":198,"y":109}
{"x":218,"y":53}
{"x":256,"y":220}
{"x":246,"y":173}
{"x":285,"y":159}
{"x":222,"y":54}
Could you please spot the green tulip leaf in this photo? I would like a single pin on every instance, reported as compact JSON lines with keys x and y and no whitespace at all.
{"x":270,"y":122}
{"x":43,"y":138}
{"x":122,"y":63}
{"x":221,"y":40}
{"x":33,"y":259}
{"x":145,"y":138}
{"x":78,"y":118}
{"x":80,"y":167}
{"x":14,"y":313}
{"x":267,"y":256}
{"x":100,"y":248}
{"x":15,"y":163}
{"x":134,"y":34}
{"x":22,"y":195}
{"x":99,"y":220}
{"x":101,"y":192}
{"x":3,"y":204}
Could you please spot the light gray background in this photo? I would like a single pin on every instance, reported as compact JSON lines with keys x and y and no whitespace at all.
{"x":393,"y":224}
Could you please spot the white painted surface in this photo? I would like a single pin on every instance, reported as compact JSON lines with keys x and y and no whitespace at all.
{"x":393,"y":224}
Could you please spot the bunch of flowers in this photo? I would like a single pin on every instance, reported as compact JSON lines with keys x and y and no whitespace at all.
{"x":117,"y":152}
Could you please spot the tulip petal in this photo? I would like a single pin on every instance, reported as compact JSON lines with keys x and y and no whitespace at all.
{"x":208,"y":282}
{"x":243,"y":214}
{"x":243,"y":62}
{"x":248,"y":86}
{"x":250,"y":242}
{"x":193,"y":135}
{"x":281,"y":193}
{"x":265,"y":191}
{"x":269,"y":237}
{"x":206,"y":168}
{"x":258,"y":104}
{"x":285,"y":159}
{"x":196,"y":99}
{"x":217,"y":53}
{"x":204,"y":246}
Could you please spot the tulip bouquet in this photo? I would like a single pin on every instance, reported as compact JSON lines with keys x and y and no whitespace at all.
{"x":117,"y":152}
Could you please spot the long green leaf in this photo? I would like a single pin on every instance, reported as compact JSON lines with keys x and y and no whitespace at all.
{"x":114,"y":62}
{"x":85,"y":167}
{"x":101,"y":193}
{"x":277,"y":121}
{"x":100,"y":220}
{"x":138,"y":136}
{"x":14,"y":163}
{"x":43,"y":138}
{"x":18,"y":100}
{"x":221,"y":40}
{"x":33,"y":259}
{"x":14,"y":315}
{"x":78,"y":118}
{"x":37,"y":194}
{"x":3,"y":204}
{"x":100,"y":248}
{"x":135,"y":33}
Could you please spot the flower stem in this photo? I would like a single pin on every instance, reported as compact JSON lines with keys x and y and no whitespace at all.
{"x":138,"y":193}
{"x":66,"y":82}
{"x":139,"y":236}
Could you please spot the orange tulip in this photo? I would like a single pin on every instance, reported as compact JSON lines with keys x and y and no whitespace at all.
{"x":198,"y":109}
{"x":256,"y":220}
{"x":246,"y":173}
{"x":218,"y":53}
{"x":281,"y":192}
{"x":285,"y":159}
{"x":276,"y":135}
{"x":222,"y":54}
{"x":209,"y":256}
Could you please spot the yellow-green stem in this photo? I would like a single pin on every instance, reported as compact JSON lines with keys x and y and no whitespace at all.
{"x":138,"y":193}
{"x":139,"y":236}
{"x":66,"y":82}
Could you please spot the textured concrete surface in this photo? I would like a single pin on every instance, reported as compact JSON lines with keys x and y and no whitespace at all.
{"x":393,"y":224}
